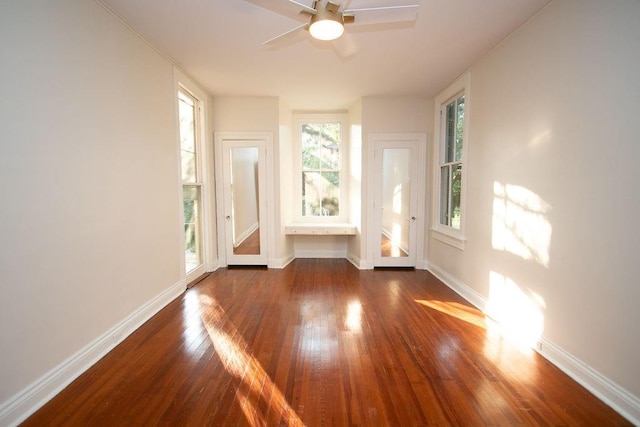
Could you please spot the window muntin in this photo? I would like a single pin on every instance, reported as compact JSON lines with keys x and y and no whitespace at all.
{"x":451,"y":165}
{"x":321,"y":165}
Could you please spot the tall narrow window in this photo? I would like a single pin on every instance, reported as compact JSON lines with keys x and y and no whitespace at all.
{"x":452,"y":118}
{"x":191,"y":182}
{"x":451,"y":164}
{"x":320,"y":174}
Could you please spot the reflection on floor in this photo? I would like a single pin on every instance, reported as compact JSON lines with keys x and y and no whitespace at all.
{"x":322,"y":343}
{"x":389,"y":249}
{"x":250,"y":245}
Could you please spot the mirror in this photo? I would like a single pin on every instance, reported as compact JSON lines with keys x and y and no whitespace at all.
{"x":396,"y":202}
{"x":245,"y":202}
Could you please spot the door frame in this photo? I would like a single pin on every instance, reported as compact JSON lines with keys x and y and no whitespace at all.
{"x":418,"y":142}
{"x":264,"y":142}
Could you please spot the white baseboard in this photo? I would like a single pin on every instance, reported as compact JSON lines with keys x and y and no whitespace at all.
{"x":458,"y":287}
{"x":281,"y":263}
{"x":213,"y":266}
{"x":422,"y":265}
{"x":625,"y":403}
{"x":606,"y":390}
{"x":26,"y":402}
{"x":355,"y":260}
{"x":320,"y":253}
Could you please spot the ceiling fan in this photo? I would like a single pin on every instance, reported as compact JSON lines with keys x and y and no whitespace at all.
{"x":325,"y":19}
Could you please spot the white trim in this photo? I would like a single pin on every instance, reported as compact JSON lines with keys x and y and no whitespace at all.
{"x":320,"y":229}
{"x":621,"y":400}
{"x":184,"y":83}
{"x":462,"y":85}
{"x":418,"y":143}
{"x":281,"y":262}
{"x":606,"y":390}
{"x":447,"y":237}
{"x":458,"y":286}
{"x":264,"y":140}
{"x":30,"y":399}
{"x":354,"y":259}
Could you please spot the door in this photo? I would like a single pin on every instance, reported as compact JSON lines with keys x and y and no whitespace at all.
{"x":398,"y":213}
{"x":243,"y":205}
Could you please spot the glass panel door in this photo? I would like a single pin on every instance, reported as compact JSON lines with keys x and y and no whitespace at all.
{"x":244,"y":201}
{"x":395,"y":201}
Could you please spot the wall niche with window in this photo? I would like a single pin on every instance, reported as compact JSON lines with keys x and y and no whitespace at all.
{"x":320,"y":223}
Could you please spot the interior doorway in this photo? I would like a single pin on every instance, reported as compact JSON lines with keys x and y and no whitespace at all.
{"x":397,"y":203}
{"x":242,"y":198}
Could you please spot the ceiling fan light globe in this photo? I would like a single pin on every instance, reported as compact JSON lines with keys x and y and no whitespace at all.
{"x":326,"y":29}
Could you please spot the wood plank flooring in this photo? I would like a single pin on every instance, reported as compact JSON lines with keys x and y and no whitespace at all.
{"x":321,"y":343}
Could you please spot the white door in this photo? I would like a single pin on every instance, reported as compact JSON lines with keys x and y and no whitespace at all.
{"x":242,"y":208}
{"x":398,"y":209}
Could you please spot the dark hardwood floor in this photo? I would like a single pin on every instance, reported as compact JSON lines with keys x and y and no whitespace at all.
{"x":321,"y":343}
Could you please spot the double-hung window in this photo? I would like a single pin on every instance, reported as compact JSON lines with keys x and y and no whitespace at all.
{"x":452,"y":114}
{"x":452,"y":117}
{"x":321,"y":186}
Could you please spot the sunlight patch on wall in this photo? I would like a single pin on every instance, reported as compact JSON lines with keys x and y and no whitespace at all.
{"x":520,"y":224}
{"x":518,"y":314}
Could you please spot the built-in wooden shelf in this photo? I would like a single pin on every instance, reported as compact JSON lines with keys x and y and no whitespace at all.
{"x":337,"y":229}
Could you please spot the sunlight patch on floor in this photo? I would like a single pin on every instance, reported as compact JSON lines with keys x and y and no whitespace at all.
{"x":256,"y":388}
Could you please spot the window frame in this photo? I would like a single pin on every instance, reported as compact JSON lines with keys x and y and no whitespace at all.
{"x":445,"y":233}
{"x":298,"y":120}
{"x":203,"y":181}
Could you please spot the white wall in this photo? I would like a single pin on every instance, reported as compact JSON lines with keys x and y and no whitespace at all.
{"x":246,"y":114}
{"x":552,"y":189}
{"x":88,"y":183}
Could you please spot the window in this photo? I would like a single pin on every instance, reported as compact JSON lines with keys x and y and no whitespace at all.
{"x":191,"y":183}
{"x":451,"y":165}
{"x":321,"y":183}
{"x":452,"y":109}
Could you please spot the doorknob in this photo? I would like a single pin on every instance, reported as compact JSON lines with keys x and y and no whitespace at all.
{"x":413,"y":218}
{"x":228,"y":217}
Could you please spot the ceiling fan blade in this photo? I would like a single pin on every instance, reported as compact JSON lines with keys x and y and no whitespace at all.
{"x":385,"y":14}
{"x":290,"y":8}
{"x":290,"y":36}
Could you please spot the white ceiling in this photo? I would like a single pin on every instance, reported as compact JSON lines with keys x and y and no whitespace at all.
{"x":219,"y":43}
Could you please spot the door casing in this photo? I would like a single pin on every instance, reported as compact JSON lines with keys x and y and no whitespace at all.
{"x":224,"y":142}
{"x":416,"y":142}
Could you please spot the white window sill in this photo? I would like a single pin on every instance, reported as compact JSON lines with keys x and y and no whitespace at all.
{"x":450,"y":239}
{"x":334,"y":229}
